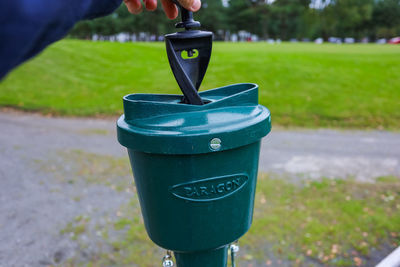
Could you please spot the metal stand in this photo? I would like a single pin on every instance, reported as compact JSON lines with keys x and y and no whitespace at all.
{"x":209,"y":258}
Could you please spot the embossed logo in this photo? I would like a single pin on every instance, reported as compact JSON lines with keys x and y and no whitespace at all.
{"x":210,"y":189}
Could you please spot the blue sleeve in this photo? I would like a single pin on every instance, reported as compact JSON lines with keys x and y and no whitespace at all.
{"x":28,"y":26}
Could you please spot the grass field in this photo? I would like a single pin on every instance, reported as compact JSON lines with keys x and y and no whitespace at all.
{"x":330,"y":222}
{"x":307,"y":85}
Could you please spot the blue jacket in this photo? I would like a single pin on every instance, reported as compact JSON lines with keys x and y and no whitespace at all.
{"x":28,"y":26}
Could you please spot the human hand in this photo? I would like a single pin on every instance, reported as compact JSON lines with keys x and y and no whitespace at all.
{"x":170,"y":9}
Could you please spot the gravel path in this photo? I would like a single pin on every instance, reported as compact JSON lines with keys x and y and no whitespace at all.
{"x":34,"y":206}
{"x":363,"y":155}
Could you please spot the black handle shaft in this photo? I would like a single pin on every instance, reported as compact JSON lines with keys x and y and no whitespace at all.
{"x":187,"y":18}
{"x":189,"y":72}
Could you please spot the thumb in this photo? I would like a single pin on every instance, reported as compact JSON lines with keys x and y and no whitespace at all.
{"x":191,"y":5}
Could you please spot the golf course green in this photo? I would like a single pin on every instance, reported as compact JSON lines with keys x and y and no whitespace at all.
{"x":303,"y":84}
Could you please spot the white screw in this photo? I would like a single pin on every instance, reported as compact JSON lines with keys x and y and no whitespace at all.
{"x":168,"y":263}
{"x":215,"y":144}
{"x":234,"y":248}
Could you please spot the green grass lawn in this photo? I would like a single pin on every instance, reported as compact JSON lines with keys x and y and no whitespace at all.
{"x":307,"y":85}
{"x":333,"y":222}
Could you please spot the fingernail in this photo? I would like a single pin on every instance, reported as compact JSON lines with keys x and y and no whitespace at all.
{"x":196,"y":5}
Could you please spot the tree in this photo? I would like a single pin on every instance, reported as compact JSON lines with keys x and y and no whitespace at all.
{"x":386,"y":18}
{"x":282,"y":19}
{"x":212,"y":16}
{"x":350,"y":17}
{"x":241,"y":16}
{"x":287,"y":17}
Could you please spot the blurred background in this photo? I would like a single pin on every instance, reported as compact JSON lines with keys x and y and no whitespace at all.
{"x":255,"y":20}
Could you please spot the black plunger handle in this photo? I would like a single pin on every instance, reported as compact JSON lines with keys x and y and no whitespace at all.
{"x":187,"y":18}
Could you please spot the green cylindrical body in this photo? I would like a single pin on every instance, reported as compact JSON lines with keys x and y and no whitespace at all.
{"x":211,"y":188}
{"x":211,"y":258}
{"x":195,"y":168}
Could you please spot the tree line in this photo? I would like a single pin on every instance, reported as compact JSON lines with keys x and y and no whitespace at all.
{"x":277,"y":19}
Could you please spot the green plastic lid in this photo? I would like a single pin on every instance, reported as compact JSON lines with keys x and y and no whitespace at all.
{"x":161,"y":124}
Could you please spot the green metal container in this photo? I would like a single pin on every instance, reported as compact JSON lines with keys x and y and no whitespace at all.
{"x":195,"y":168}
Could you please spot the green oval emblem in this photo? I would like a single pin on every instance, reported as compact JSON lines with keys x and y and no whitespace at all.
{"x":210,"y":189}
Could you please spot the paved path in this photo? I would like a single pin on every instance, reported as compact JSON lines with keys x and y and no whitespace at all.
{"x":363,"y":155}
{"x":31,"y":201}
{"x":313,"y":153}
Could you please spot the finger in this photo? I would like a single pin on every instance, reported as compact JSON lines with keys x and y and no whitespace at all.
{"x":170,"y":9}
{"x":134,"y":6}
{"x":150,"y":4}
{"x":191,"y":5}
